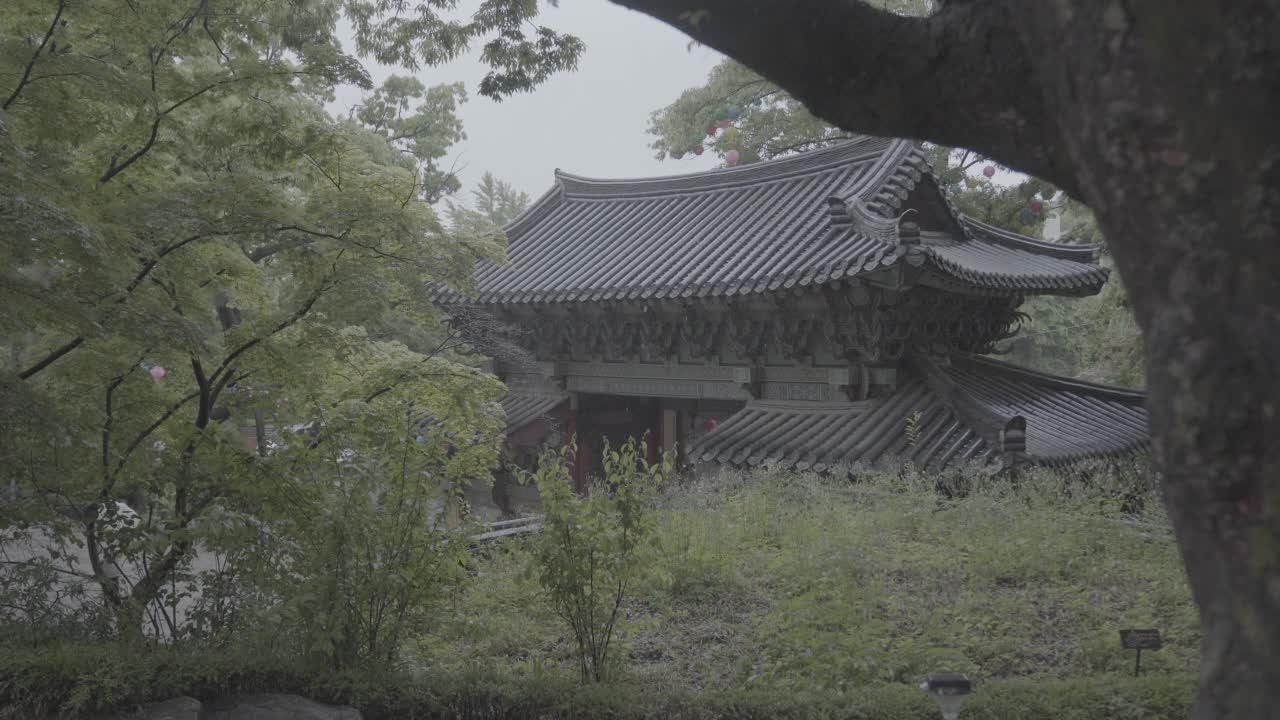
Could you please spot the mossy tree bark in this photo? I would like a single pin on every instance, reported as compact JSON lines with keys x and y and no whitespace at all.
{"x":1164,"y":116}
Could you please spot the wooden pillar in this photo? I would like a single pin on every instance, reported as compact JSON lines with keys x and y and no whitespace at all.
{"x":668,"y":430}
{"x":582,"y":465}
{"x":682,"y":438}
{"x":653,"y":438}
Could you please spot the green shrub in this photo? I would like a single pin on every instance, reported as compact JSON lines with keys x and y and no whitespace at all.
{"x":78,"y":681}
{"x":791,"y":583}
{"x":591,"y":548}
{"x":772,"y":594}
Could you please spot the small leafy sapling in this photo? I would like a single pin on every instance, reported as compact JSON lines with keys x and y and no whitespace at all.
{"x":591,"y":547}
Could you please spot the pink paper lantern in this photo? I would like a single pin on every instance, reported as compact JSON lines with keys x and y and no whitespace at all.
{"x":989,"y":170}
{"x":731,"y":157}
{"x":157,"y":373}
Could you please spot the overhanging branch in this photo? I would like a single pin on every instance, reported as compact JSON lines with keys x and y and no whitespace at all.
{"x":219,"y":376}
{"x":960,"y":77}
{"x":26,"y":72}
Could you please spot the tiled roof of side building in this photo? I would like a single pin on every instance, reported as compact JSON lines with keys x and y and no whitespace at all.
{"x":523,"y":409}
{"x":801,"y":220}
{"x":1067,"y":420}
{"x":955,"y":412}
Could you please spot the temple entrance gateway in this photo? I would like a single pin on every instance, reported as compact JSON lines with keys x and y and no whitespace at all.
{"x":822,"y":309}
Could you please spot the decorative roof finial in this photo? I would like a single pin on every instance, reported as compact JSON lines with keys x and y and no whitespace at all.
{"x":908,"y":233}
{"x":839,"y":209}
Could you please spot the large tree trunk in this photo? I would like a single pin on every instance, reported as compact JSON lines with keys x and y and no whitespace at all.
{"x":1214,"y":392}
{"x":1165,"y":118}
{"x":1182,"y":166}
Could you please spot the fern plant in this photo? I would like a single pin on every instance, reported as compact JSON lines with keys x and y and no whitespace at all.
{"x":913,"y":428}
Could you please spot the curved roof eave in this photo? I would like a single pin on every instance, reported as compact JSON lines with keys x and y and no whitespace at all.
{"x":764,"y":225}
{"x":1000,"y":236}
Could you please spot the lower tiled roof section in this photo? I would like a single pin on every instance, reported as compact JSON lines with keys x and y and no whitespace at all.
{"x":939,"y":415}
{"x":524,"y":409}
{"x":1067,"y":420}
{"x":763,"y":433}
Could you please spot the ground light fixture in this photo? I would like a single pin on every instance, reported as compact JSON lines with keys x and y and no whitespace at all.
{"x":950,"y":691}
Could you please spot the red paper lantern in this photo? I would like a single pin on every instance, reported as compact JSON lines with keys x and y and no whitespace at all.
{"x":697,"y":150}
{"x":731,"y":157}
{"x":711,"y":130}
{"x":1037,"y":205}
{"x":724,"y":123}
{"x":989,"y":170}
{"x":709,"y":424}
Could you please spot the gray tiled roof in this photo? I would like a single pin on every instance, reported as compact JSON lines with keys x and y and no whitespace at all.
{"x":1066,"y":419}
{"x":797,"y":221}
{"x":998,"y":258}
{"x":524,"y":409}
{"x":962,"y":407}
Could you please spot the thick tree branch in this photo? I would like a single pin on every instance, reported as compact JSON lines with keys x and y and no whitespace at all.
{"x":219,"y":375}
{"x":150,"y":263}
{"x":52,"y":357}
{"x":180,"y":28}
{"x":147,"y":266}
{"x":202,"y":383}
{"x":263,"y":252}
{"x":335,"y":182}
{"x":33,"y":563}
{"x":115,"y":167}
{"x":26,"y":73}
{"x":957,"y":78}
{"x":449,"y":342}
{"x":108,"y":478}
{"x":146,"y":432}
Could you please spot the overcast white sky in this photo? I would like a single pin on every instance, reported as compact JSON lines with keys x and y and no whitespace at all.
{"x":590,"y":122}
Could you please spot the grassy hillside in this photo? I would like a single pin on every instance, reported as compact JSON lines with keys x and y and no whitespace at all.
{"x":773,"y":595}
{"x":800,"y":583}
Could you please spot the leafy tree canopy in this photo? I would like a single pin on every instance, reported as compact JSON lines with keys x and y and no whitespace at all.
{"x":192,"y":246}
{"x":769,"y":122}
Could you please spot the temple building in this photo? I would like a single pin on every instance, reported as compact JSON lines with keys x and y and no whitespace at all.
{"x":825,"y":309}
